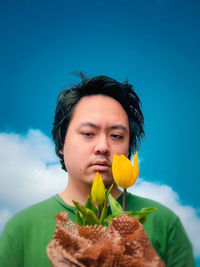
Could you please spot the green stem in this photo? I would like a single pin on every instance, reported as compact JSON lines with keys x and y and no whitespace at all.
{"x":99,"y":212}
{"x":124,"y":199}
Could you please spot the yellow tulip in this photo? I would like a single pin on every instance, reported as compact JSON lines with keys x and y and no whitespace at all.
{"x":124,"y":173}
{"x":98,"y":190}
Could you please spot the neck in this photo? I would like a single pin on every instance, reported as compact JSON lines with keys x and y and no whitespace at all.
{"x":80,"y":193}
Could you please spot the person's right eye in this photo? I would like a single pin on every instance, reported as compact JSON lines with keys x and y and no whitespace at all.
{"x":87,"y":134}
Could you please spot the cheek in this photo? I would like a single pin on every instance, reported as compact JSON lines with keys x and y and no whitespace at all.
{"x":73,"y":163}
{"x":123,"y":148}
{"x":69,"y":155}
{"x":126,"y":148}
{"x":75,"y":157}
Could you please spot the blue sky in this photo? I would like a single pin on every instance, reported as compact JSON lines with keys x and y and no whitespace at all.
{"x":153,"y":43}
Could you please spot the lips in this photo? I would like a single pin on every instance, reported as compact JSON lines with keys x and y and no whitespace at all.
{"x":100,"y":165}
{"x":101,"y":162}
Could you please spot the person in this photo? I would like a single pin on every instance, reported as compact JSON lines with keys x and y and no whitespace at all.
{"x":93,"y":119}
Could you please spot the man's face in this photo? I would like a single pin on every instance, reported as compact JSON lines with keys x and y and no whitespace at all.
{"x":99,"y":127}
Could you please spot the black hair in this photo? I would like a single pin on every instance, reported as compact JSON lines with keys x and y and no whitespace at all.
{"x":104,"y":85}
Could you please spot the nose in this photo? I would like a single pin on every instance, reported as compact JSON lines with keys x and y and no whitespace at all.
{"x":102,"y":147}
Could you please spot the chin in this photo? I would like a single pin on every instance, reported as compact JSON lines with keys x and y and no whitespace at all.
{"x":108,"y":181}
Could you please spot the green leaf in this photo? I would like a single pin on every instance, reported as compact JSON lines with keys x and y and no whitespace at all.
{"x":112,"y":216}
{"x":114,"y":205}
{"x":148,"y":210}
{"x":141,"y":215}
{"x":79,"y":206}
{"x":79,"y":218}
{"x":105,"y":208}
{"x":142,"y":212}
{"x":90,"y":205}
{"x":108,"y":190}
{"x":89,"y":215}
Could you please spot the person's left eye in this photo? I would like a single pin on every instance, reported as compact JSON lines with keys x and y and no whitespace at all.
{"x":117,"y":136}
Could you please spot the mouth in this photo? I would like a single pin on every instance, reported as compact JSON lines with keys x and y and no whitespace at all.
{"x":100,"y":166}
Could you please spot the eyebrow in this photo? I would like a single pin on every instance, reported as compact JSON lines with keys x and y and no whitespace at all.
{"x":95,"y":126}
{"x":119,"y":126}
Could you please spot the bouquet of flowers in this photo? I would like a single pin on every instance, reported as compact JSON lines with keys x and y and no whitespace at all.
{"x":97,"y":240}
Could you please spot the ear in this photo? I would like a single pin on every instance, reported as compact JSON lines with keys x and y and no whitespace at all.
{"x":61,"y":151}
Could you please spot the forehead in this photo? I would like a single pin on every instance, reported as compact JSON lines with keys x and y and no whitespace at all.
{"x":99,"y":109}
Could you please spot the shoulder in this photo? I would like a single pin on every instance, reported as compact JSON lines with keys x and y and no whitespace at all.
{"x":30,"y":228}
{"x":36,"y":208}
{"x":31,"y":213}
{"x":146,"y":202}
{"x":162,"y":214}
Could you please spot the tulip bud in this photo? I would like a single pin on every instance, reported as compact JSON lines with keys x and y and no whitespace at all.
{"x":98,"y":190}
{"x":124,"y":173}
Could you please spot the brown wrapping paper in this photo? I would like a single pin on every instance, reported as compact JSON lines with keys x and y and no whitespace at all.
{"x":123,"y":243}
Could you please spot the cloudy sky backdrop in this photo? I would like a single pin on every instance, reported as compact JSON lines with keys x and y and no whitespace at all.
{"x":153,"y":43}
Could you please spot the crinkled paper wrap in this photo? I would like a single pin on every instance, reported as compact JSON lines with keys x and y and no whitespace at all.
{"x":123,"y":243}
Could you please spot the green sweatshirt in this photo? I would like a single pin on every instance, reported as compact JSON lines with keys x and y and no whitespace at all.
{"x":26,"y":235}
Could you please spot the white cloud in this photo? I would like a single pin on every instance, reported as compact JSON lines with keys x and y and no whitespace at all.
{"x":4,"y":217}
{"x":30,"y":171}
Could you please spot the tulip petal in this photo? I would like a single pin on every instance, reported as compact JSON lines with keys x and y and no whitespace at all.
{"x":124,"y":173}
{"x":98,"y":190}
{"x":135,"y":166}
